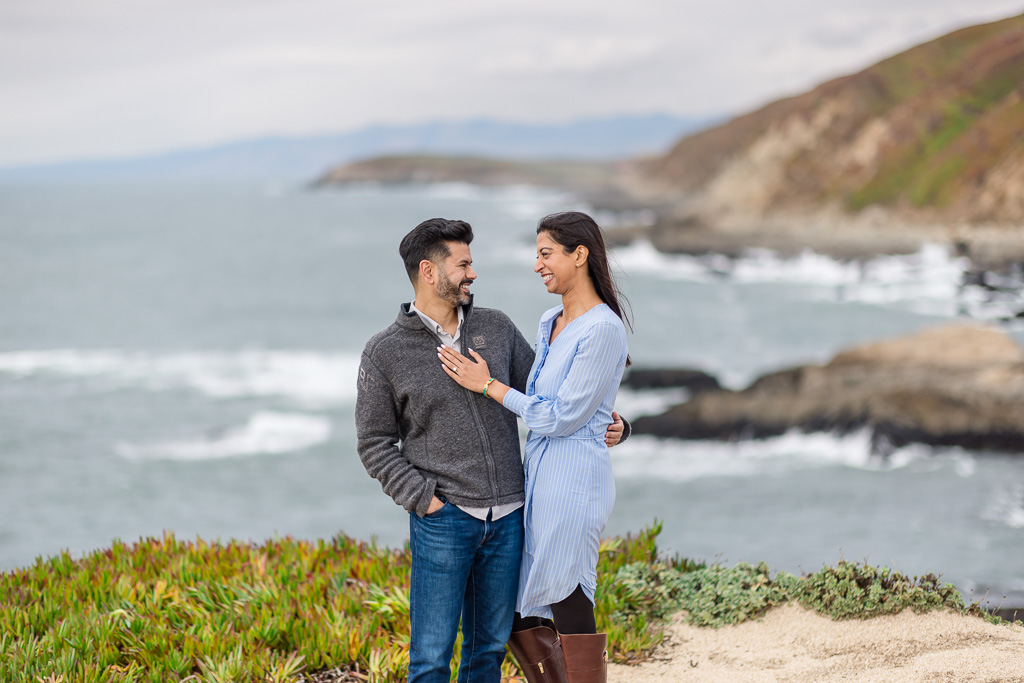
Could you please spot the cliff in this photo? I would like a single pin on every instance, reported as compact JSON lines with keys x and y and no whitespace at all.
{"x":924,"y":142}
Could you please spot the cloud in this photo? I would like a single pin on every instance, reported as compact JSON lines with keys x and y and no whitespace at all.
{"x":118,"y":77}
{"x":575,"y":55}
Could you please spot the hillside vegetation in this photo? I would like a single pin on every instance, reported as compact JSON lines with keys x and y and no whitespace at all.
{"x":933,"y":133}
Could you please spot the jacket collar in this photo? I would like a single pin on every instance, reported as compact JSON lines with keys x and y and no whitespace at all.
{"x":408,"y":319}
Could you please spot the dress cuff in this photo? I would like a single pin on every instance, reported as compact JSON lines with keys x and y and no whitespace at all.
{"x":516,"y":401}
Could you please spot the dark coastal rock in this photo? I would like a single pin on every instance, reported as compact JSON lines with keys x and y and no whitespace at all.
{"x":696,"y":381}
{"x":952,"y":386}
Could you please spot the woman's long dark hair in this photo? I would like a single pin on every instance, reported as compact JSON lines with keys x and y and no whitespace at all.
{"x":572,"y":229}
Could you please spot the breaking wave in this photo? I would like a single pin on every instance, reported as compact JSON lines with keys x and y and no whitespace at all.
{"x":310,"y":379}
{"x":929,"y":282}
{"x":644,"y":457}
{"x":264,"y":433}
{"x":1006,"y":507}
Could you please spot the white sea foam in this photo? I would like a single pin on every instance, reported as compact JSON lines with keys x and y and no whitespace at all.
{"x":643,"y":457}
{"x":807,"y":267}
{"x":929,"y":282}
{"x":629,"y":402}
{"x":642,"y":257}
{"x":310,"y":379}
{"x":264,"y":433}
{"x":1006,"y":507}
{"x":931,"y":265}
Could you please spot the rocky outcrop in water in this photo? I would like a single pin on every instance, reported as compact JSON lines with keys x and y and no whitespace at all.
{"x":696,"y":381}
{"x":953,"y":386}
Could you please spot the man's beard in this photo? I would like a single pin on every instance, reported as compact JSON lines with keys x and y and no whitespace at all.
{"x":452,"y":292}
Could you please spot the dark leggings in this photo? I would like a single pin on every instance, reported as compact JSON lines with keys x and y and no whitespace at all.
{"x":573,"y":615}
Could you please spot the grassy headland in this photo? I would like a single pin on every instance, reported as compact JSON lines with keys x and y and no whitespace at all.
{"x":418,"y":169}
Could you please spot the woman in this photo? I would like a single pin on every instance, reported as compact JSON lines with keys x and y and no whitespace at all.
{"x":581,"y":354}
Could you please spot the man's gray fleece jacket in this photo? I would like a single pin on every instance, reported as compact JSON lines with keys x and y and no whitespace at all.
{"x":420,"y":434}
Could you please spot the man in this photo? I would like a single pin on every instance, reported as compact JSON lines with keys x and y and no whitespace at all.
{"x":449,"y":456}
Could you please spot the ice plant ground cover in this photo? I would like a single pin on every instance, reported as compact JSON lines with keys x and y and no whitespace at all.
{"x":166,"y":609}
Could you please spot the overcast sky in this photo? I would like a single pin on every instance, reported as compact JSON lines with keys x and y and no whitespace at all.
{"x":109,"y":78}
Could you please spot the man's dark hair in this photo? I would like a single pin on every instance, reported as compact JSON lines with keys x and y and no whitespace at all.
{"x":429,"y":240}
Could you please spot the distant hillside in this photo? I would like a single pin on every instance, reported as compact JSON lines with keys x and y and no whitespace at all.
{"x":934,"y":134}
{"x":302,"y":158}
{"x":581,"y":176}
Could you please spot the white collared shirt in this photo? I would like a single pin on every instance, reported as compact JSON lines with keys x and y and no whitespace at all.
{"x":433,"y":326}
{"x":498,"y":511}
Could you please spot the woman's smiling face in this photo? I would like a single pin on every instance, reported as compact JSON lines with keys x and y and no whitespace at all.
{"x":557,"y":268}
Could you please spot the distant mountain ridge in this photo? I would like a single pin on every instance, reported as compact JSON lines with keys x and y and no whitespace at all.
{"x":934,"y":133}
{"x":307,"y":157}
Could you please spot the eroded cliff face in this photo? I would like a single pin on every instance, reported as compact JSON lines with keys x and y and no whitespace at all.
{"x":767,"y":175}
{"x":933,"y":135}
{"x":1001,"y":195}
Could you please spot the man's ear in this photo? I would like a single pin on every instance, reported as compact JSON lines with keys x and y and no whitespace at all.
{"x":427,"y":269}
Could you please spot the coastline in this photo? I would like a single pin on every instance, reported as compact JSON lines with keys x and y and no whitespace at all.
{"x":841,"y":236}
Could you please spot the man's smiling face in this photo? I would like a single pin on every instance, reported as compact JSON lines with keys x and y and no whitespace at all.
{"x":456,"y":274}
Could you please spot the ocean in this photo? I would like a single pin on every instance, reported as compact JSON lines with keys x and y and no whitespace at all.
{"x":182,"y":357}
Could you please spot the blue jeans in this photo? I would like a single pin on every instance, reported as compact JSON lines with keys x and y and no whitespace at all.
{"x":462,"y":565}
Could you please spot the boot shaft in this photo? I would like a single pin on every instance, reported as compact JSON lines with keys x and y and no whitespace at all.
{"x":586,"y":657}
{"x":539,"y":654}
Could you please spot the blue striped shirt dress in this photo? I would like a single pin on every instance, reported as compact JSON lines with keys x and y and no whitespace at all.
{"x":570,"y":490}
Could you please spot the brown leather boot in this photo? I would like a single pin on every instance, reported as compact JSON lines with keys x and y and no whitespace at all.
{"x":539,"y":655}
{"x":586,"y":658}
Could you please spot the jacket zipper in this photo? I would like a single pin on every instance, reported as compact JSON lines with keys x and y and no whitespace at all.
{"x":478,"y":421}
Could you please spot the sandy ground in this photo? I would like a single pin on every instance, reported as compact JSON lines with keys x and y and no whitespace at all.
{"x":793,"y":644}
